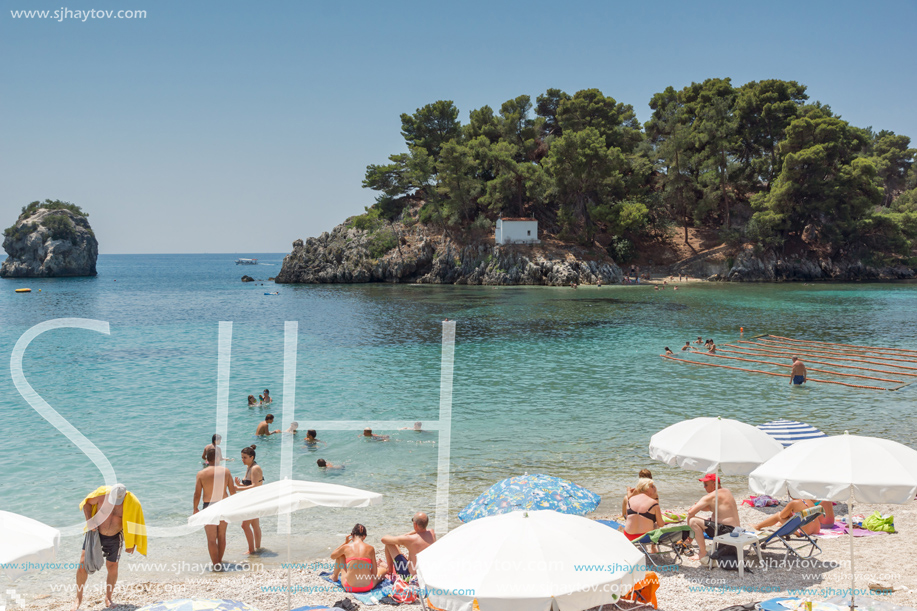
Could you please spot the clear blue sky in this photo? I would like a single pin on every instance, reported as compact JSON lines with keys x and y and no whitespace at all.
{"x":239,"y":127}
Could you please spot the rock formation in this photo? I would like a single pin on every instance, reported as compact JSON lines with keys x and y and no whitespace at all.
{"x":348,"y":255}
{"x":766,"y":266}
{"x":48,"y":242}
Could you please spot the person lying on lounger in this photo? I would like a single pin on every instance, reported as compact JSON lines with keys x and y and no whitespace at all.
{"x":785,"y":514}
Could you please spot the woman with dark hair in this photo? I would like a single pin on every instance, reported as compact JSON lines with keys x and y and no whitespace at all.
{"x":355,"y":562}
{"x":252,"y":401}
{"x":254,"y":477}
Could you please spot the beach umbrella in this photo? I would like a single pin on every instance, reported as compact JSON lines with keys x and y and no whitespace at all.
{"x":711,"y":445}
{"x":841,"y":468}
{"x":190,"y":604}
{"x":285,"y":496}
{"x":531,"y":492}
{"x":789,"y":432}
{"x":528,"y":561}
{"x":24,"y":540}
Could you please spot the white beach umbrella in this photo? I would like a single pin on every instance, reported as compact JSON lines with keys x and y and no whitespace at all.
{"x":789,"y":432}
{"x":285,"y":496}
{"x":24,"y":540}
{"x":710,"y":445}
{"x":527,"y":561}
{"x":841,"y":468}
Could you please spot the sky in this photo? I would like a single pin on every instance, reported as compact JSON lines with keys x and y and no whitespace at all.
{"x":231,"y":127}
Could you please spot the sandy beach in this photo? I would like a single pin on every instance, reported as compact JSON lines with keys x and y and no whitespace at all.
{"x":885,"y":558}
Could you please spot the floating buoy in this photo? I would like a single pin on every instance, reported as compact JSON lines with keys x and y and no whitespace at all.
{"x":741,"y":329}
{"x":23,"y":290}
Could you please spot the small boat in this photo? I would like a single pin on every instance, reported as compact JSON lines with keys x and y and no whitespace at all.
{"x":23,"y":290}
{"x":246,"y":261}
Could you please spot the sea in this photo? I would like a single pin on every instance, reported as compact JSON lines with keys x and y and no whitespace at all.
{"x":560,"y":381}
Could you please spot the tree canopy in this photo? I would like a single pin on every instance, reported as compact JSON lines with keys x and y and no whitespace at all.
{"x":757,"y":162}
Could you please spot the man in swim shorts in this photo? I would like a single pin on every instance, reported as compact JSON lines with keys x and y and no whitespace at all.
{"x":727,"y":514}
{"x":213,"y":483}
{"x":415,"y":542}
{"x":798,"y":373}
{"x":108,"y":522}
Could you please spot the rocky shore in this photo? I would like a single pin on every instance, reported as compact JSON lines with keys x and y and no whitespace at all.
{"x":752,"y":266}
{"x":349,"y":255}
{"x":47,"y":243}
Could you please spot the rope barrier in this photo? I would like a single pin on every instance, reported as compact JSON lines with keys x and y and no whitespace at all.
{"x":858,"y":367}
{"x":770,"y":373}
{"x":865,"y":353}
{"x":808,"y":341}
{"x":807,"y":354}
{"x":837,"y":373}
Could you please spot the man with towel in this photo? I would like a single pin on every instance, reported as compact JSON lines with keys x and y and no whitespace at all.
{"x":114,"y":518}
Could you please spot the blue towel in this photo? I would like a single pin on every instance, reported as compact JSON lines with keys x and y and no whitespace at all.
{"x":612,"y":524}
{"x":366,"y":597}
{"x":773,"y":603}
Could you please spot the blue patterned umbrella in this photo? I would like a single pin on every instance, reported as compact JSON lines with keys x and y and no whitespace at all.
{"x":535,"y":491}
{"x":789,"y":432}
{"x":189,"y":604}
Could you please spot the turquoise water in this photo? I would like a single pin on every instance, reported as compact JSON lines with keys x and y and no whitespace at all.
{"x":549,"y":380}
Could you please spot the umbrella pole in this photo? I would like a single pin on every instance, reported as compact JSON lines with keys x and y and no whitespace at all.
{"x":289,"y":604}
{"x":850,"y":532}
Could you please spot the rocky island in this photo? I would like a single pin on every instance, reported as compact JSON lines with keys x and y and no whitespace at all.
{"x":50,"y":239}
{"x":723,"y":182}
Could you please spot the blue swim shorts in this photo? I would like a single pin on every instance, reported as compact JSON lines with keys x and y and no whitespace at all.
{"x":799,"y":379}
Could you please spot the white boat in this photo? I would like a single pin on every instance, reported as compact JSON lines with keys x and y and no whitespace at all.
{"x":246,"y":261}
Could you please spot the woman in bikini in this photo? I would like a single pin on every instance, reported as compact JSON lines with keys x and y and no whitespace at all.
{"x":642,"y":511}
{"x":253,"y":478}
{"x":355,"y":562}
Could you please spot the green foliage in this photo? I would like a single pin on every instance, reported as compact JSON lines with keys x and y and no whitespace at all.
{"x":60,"y":227}
{"x":621,"y":250}
{"x":15,"y":233}
{"x":431,"y":126}
{"x":381,"y":242}
{"x":48,"y":204}
{"x":710,"y":155}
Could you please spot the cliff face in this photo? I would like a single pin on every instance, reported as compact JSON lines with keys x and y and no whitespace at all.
{"x":768,"y":267}
{"x":346,"y":255}
{"x":50,"y":243}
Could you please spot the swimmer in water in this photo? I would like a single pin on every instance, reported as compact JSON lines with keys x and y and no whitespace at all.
{"x":687,"y":346}
{"x":265,"y":427}
{"x":252,"y":401}
{"x":667,"y":351}
{"x":266,"y":397}
{"x":311,"y":438}
{"x":418,"y":426}
{"x":368,"y":432}
{"x":294,"y":426}
{"x":323,"y":464}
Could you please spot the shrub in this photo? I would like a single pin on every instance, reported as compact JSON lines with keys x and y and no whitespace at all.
{"x":48,"y":204}
{"x":367,"y":222}
{"x":381,"y":242}
{"x":482,"y":223}
{"x":16,"y":233}
{"x":621,"y":249}
{"x":60,"y":227}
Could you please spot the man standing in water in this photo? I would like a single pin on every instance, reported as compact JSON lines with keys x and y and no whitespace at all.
{"x":213,"y":484}
{"x":798,"y":374}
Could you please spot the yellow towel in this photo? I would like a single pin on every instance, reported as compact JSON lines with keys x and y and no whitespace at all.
{"x":131,"y":518}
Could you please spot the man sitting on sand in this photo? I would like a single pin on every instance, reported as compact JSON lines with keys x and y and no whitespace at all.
{"x":727,"y":514}
{"x":415,"y":542}
{"x":798,"y":373}
{"x":213,"y":483}
{"x":265,"y":427}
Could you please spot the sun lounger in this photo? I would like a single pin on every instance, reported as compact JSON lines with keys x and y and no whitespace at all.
{"x":796,"y":542}
{"x":667,"y":539}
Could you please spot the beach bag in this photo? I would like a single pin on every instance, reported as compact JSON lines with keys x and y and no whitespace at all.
{"x":879,"y":523}
{"x":402,"y":592}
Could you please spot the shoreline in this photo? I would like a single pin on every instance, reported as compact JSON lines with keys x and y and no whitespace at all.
{"x":884,"y":558}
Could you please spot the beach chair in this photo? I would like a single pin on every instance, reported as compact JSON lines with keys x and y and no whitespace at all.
{"x":667,"y":540}
{"x":796,"y":542}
